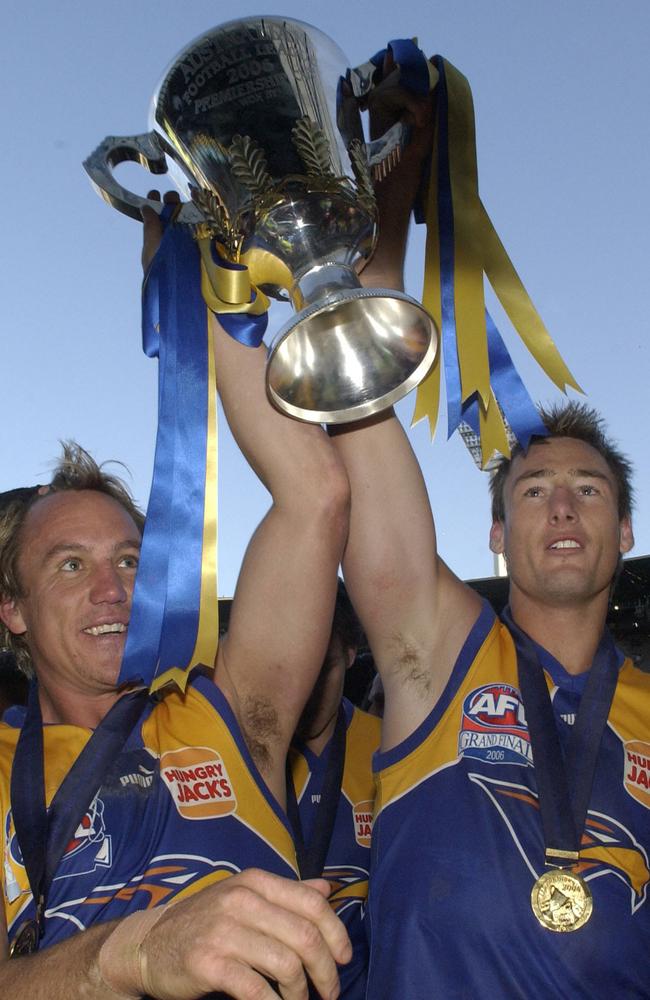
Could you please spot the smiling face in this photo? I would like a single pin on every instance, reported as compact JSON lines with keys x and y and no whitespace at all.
{"x":561,"y":534}
{"x":78,"y":558}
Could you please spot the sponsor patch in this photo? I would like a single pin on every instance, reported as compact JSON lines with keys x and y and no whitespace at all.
{"x":143,"y":778}
{"x":636,"y":757}
{"x":198,"y":782}
{"x":493,"y":726}
{"x":362,"y":813}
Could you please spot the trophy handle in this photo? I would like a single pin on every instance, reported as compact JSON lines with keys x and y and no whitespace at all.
{"x":149,"y":151}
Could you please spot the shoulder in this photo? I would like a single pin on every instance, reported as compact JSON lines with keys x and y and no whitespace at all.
{"x":362,"y":723}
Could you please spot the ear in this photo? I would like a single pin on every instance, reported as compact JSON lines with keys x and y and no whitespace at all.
{"x":350,"y":656}
{"x":11,"y":616}
{"x":497,"y":537}
{"x":626,"y":536}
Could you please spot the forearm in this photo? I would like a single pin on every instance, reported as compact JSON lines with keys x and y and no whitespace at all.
{"x":234,"y":937}
{"x":287,"y":455}
{"x":284,"y":600}
{"x":65,"y":970}
{"x":390,"y":561}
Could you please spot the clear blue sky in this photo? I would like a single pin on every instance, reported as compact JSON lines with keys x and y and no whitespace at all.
{"x":561,"y":95}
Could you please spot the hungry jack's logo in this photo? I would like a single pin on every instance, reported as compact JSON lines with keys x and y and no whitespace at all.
{"x":636,"y":755}
{"x":198,"y":782}
{"x":362,"y":813}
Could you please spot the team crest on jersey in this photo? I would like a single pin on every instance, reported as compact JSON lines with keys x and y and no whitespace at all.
{"x":607,"y":847}
{"x":349,"y":886}
{"x":362,"y":815}
{"x":90,"y":845}
{"x":636,"y":756}
{"x":90,"y":838}
{"x":198,"y":782}
{"x":493,"y":726}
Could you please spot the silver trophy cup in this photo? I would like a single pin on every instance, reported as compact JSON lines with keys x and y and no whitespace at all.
{"x":251,"y":123}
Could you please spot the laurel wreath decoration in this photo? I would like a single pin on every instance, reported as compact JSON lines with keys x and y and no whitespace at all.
{"x":217,"y":221}
{"x":216,"y":217}
{"x":362,"y":174}
{"x":313,"y":148}
{"x":249,"y":166}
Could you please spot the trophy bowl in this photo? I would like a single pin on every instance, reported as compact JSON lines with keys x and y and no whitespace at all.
{"x":251,"y":123}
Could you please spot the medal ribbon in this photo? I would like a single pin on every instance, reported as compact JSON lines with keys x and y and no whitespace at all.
{"x":311,"y":857}
{"x":43,"y":834}
{"x":564,"y":784}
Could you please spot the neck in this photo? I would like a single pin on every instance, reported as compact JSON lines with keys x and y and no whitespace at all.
{"x":570,"y":633}
{"x":74,"y":709}
{"x":321,"y":737}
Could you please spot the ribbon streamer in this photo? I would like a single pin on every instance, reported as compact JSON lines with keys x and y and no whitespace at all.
{"x":482,"y":384}
{"x":174,"y":615}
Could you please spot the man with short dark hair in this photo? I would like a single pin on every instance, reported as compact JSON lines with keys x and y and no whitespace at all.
{"x":511,"y":842}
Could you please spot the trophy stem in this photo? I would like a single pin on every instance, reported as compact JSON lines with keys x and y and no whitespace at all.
{"x":321,"y":281}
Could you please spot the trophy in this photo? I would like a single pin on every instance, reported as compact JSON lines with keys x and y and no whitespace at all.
{"x":254,"y":123}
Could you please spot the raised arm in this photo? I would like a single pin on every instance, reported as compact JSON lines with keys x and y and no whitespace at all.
{"x":415,"y":612}
{"x":284,"y":601}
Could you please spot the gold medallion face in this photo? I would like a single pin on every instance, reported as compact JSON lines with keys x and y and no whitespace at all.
{"x":561,"y":900}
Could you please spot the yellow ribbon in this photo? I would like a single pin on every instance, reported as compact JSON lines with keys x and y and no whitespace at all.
{"x":236,"y":289}
{"x":207,"y":640}
{"x":477,"y":251}
{"x":469,"y":298}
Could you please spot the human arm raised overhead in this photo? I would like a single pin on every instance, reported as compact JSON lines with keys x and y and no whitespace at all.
{"x":416,"y":613}
{"x":283,"y":604}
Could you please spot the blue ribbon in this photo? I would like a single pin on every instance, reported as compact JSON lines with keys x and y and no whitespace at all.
{"x":414,"y":74}
{"x":509,"y":391}
{"x":244,"y":328}
{"x":165,"y":607}
{"x":166,"y":601}
{"x":184,"y":320}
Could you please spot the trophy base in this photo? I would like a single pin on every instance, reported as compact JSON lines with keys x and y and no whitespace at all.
{"x":349,"y":355}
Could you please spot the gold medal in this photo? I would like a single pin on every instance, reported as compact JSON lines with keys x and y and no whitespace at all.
{"x":561,"y":900}
{"x":26,"y":940}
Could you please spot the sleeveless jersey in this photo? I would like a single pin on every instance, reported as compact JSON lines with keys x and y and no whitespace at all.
{"x":458,"y":844}
{"x":348,"y":857}
{"x":183,"y":806}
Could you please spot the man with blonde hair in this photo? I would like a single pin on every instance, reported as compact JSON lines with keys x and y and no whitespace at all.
{"x":162,"y":813}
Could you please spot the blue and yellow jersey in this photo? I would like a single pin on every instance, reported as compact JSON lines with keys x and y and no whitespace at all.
{"x":348,"y":858}
{"x":458,"y":843}
{"x":183,"y":806}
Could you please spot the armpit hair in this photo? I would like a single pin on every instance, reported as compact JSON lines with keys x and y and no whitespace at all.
{"x":261,"y":729}
{"x":407,"y":663}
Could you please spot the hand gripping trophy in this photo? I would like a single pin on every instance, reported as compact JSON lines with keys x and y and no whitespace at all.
{"x":254,"y":122}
